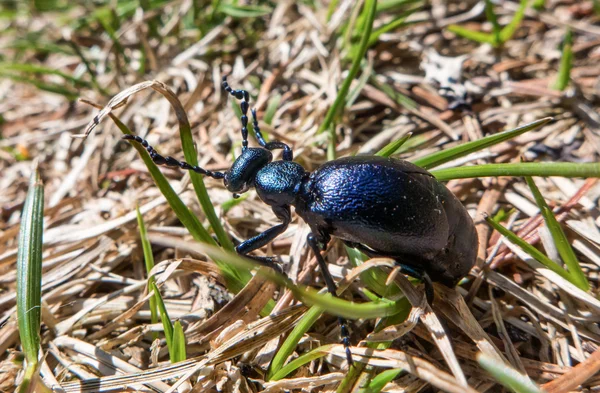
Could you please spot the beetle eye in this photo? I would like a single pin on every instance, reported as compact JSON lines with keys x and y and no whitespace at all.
{"x":236,"y":196}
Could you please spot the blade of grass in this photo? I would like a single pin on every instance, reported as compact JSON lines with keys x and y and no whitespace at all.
{"x":477,"y":36}
{"x":291,"y":342}
{"x":41,"y":70}
{"x":507,"y":376}
{"x":29,"y":275}
{"x":149,"y":263}
{"x":178,"y":348}
{"x":447,"y":155}
{"x":166,"y":321}
{"x":543,"y":169}
{"x":271,"y":109}
{"x":566,"y":61}
{"x":380,"y":380}
{"x":491,"y":17}
{"x":560,"y":239}
{"x":301,"y":361}
{"x":539,"y":5}
{"x":362,"y":81}
{"x":246,"y":11}
{"x":392,"y":147}
{"x":50,"y":87}
{"x":307,"y":295}
{"x":509,"y":30}
{"x":530,"y":250}
{"x":369,"y":8}
{"x":187,"y":218}
{"x":331,"y":9}
{"x":395,"y":24}
{"x":191,"y":156}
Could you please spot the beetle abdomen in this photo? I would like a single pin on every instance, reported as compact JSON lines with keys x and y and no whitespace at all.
{"x":388,"y":205}
{"x":394,"y":208}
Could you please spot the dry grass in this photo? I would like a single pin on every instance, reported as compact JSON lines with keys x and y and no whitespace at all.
{"x":96,"y":332}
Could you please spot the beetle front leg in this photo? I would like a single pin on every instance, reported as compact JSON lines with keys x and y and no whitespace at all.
{"x":265,"y":238}
{"x":332,"y":288}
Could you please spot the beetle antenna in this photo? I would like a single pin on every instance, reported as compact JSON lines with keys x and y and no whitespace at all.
{"x":170,"y":161}
{"x":244,"y":97}
{"x":288,"y":155}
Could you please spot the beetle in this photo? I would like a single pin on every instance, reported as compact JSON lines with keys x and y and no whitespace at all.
{"x":384,"y":207}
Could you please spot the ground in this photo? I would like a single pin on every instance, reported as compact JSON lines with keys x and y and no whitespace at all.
{"x":434,"y":71}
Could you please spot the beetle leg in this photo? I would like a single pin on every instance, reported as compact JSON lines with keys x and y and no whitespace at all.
{"x":256,"y":242}
{"x":331,"y":287}
{"x":421,"y":275}
{"x":270,"y":262}
{"x":170,"y":161}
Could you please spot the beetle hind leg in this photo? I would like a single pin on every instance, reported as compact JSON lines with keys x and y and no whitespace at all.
{"x":331,"y":287}
{"x":404,"y":268}
{"x":420,"y":275}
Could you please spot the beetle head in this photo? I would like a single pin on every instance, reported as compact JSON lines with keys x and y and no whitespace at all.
{"x":240,"y":177}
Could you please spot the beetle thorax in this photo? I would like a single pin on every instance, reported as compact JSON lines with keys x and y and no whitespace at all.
{"x":278,"y":183}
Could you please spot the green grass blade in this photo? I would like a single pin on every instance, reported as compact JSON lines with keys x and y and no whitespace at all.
{"x":307,"y":295}
{"x":149,"y":263}
{"x":392,"y":147}
{"x":530,"y":250}
{"x":244,"y":11}
{"x":396,"y":23}
{"x":379,"y":381}
{"x":362,"y":81}
{"x":543,"y":169}
{"x":292,"y":340}
{"x":50,"y":87}
{"x":271,"y":109}
{"x":331,"y":9}
{"x":491,"y":16}
{"x":507,"y":376}
{"x":560,"y":239}
{"x":41,"y":70}
{"x":539,"y":5}
{"x":29,"y":274}
{"x":446,"y":155}
{"x":477,"y":36}
{"x":191,"y":156}
{"x":400,"y":98}
{"x":189,"y":220}
{"x":166,"y":321}
{"x":178,"y":348}
{"x":36,"y":44}
{"x":566,"y":62}
{"x":228,"y":204}
{"x":374,"y":279}
{"x":509,"y":30}
{"x":369,"y":7}
{"x":301,"y":361}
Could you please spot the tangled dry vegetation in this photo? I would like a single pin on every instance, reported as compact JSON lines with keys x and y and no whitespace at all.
{"x":97,"y":333}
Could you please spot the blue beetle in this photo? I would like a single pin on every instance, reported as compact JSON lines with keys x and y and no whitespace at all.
{"x":384,"y":207}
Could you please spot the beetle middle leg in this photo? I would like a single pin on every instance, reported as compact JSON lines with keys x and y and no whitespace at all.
{"x":266,"y":237}
{"x":332,"y":288}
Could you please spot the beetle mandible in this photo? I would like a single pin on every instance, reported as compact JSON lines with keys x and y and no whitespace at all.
{"x":384,"y":207}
